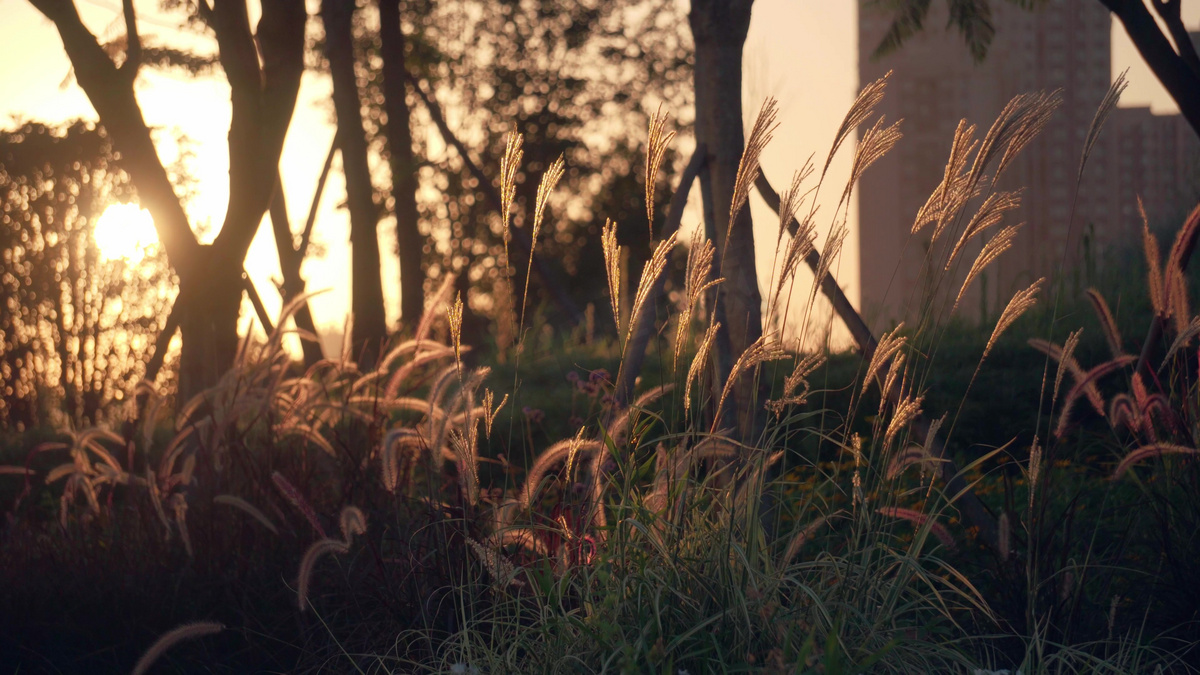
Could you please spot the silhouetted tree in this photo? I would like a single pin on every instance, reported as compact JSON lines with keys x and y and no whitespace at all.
{"x":263,"y":67}
{"x":369,"y":328}
{"x":73,"y":325}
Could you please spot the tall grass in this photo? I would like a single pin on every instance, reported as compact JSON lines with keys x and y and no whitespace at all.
{"x":648,"y":538}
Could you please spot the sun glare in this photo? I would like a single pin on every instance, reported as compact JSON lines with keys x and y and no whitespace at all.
{"x":125,"y":232}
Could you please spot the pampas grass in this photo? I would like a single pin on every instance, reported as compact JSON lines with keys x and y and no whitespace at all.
{"x":657,"y":142}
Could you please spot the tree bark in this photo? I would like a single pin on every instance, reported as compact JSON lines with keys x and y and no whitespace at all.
{"x":369,"y":328}
{"x":719,"y":30}
{"x":409,"y":242}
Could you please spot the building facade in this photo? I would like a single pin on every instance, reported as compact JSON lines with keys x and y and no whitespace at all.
{"x":1065,"y":46}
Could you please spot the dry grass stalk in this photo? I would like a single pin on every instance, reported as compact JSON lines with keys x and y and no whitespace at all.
{"x":804,"y":367}
{"x":179,"y":506}
{"x":297,"y":500}
{"x":1017,"y":306}
{"x":696,"y":282}
{"x":888,"y":345}
{"x":650,"y":272}
{"x":1108,"y":324}
{"x":1107,"y":105}
{"x":833,"y":249}
{"x":860,"y":110}
{"x":500,"y":568}
{"x":550,"y":179}
{"x":875,"y":143}
{"x":1031,"y":122}
{"x":802,"y":242}
{"x":906,"y":411}
{"x":1068,"y":351}
{"x":1154,"y":274}
{"x":801,"y":538}
{"x":1182,"y":339}
{"x":917,"y":518}
{"x":309,"y":562}
{"x":748,"y":168}
{"x":1077,"y":373}
{"x":612,"y":267}
{"x":1085,"y":383}
{"x":239,"y":503}
{"x":765,"y":348}
{"x":188,"y":631}
{"x":509,"y":165}
{"x":426,"y":323}
{"x":559,"y":452}
{"x":1035,"y":470}
{"x":656,"y":149}
{"x":468,"y":471}
{"x":1152,"y":450}
{"x":454,"y":314}
{"x":954,"y":181}
{"x":993,"y":249}
{"x":990,"y":213}
{"x":1017,"y":124}
{"x":699,"y":361}
{"x":352,"y":522}
{"x":893,"y":381}
{"x":913,"y":454}
{"x":489,"y":417}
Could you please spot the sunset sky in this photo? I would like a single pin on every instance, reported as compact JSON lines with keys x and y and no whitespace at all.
{"x":802,"y":52}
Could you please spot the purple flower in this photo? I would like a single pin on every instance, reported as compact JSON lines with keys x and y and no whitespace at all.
{"x":598,"y":375}
{"x":573,"y":377}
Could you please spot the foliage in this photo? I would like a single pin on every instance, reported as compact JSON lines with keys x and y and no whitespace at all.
{"x":75,"y":325}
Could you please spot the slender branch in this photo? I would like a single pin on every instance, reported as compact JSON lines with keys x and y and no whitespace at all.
{"x":290,"y":261}
{"x":643,"y":323}
{"x":256,"y":301}
{"x":306,"y":237}
{"x":555,"y":287}
{"x":974,"y":509}
{"x":1171,"y":69}
{"x":1171,"y":13}
{"x":133,"y":42}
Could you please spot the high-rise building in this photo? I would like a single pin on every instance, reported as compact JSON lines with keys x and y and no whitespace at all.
{"x":1064,"y":46}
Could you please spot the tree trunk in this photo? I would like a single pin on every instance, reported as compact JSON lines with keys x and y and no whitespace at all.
{"x":369,"y":329}
{"x":208,"y":325}
{"x":719,"y":30}
{"x":409,"y":241}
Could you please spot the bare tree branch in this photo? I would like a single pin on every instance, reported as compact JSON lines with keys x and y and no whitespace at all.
{"x":974,"y":509}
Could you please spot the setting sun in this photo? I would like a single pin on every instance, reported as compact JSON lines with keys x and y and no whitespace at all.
{"x":125,"y":232}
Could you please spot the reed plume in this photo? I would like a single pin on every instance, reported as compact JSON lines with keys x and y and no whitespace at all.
{"x":748,"y":167}
{"x":765,"y":348}
{"x":954,"y":190}
{"x":188,"y":631}
{"x":1107,"y":105}
{"x":889,"y":344}
{"x":309,"y":562}
{"x":696,"y":282}
{"x":549,"y":180}
{"x":993,"y":249}
{"x":1017,"y":306}
{"x":698,"y":363}
{"x":612,"y":267}
{"x":650,"y":272}
{"x":864,"y":104}
{"x":509,"y":165}
{"x":990,"y":213}
{"x":919,"y":519}
{"x":658,"y":140}
{"x":906,"y":411}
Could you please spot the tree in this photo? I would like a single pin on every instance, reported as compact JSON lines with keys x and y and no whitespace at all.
{"x":398,"y":131}
{"x":369,"y":327}
{"x":719,"y":30}
{"x":73,"y":324}
{"x":263,"y":67}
